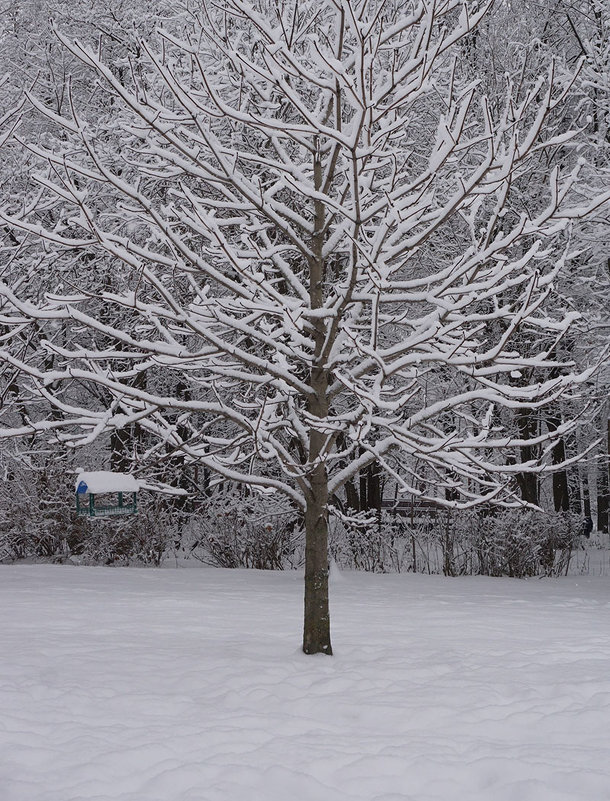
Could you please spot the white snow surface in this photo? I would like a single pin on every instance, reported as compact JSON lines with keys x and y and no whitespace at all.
{"x":188,"y":685}
{"x":100,"y":481}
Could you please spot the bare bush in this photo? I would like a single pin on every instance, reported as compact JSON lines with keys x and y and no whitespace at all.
{"x":516,"y":543}
{"x":234,"y":530}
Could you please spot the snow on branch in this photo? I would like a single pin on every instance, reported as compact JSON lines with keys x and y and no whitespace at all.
{"x":321,"y":226}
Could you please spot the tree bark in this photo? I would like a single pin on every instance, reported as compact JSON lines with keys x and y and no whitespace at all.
{"x":528,"y":482}
{"x":374,"y":491}
{"x":316,"y":628}
{"x":561,"y":490}
{"x":586,"y":496}
{"x":602,"y":502}
{"x":603,"y":483}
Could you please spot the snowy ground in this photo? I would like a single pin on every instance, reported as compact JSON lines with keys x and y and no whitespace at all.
{"x":187,"y":685}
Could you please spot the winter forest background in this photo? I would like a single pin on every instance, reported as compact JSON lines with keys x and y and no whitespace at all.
{"x":313,"y":272}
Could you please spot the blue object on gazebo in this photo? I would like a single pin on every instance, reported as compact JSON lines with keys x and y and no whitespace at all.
{"x":90,"y":485}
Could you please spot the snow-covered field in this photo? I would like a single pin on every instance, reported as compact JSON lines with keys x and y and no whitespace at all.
{"x":188,"y":685}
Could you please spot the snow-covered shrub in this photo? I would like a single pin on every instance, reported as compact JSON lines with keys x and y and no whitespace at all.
{"x":516,"y":543}
{"x":524,"y":543}
{"x":234,"y":530}
{"x":36,"y":511}
{"x":494,"y":542}
{"x":134,"y":540}
{"x":370,"y":543}
{"x":231,"y":542}
{"x":38,"y":520}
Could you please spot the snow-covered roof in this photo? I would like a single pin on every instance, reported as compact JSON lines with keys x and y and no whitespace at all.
{"x":99,"y":481}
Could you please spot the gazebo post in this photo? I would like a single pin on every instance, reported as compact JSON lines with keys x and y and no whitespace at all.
{"x":91,"y":504}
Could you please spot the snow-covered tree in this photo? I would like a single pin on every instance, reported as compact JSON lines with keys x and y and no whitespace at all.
{"x":331,"y":256}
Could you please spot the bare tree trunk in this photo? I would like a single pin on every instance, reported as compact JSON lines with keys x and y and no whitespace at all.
{"x":316,"y":629}
{"x":586,"y":496}
{"x":528,"y":482}
{"x":603,"y":481}
{"x":582,"y":471}
{"x":607,"y":471}
{"x":561,"y":491}
{"x":364,"y":501}
{"x":602,"y":501}
{"x":351,"y":496}
{"x":374,"y":490}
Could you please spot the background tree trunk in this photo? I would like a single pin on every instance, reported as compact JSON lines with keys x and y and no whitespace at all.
{"x":561,"y":491}
{"x":603,"y":479}
{"x":529,"y":483}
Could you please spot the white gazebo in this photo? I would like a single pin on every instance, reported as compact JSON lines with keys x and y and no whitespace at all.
{"x":90,"y":485}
